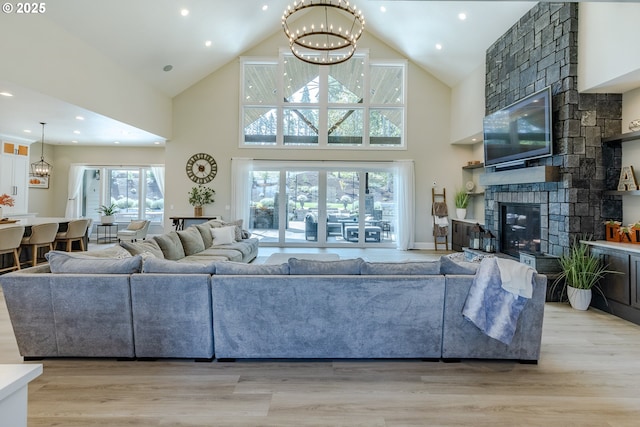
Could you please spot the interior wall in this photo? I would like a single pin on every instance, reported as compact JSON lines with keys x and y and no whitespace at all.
{"x":467,"y":108}
{"x":53,"y":201}
{"x":206,"y":119}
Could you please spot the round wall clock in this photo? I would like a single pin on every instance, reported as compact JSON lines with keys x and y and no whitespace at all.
{"x":201,"y":168}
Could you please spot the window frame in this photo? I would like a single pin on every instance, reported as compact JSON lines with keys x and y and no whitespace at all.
{"x":323,"y":106}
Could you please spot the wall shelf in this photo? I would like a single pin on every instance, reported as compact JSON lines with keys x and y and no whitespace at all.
{"x":623,"y":137}
{"x":474,"y":166}
{"x":622,"y":193}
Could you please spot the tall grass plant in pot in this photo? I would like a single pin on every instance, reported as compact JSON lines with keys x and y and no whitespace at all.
{"x":581,"y":273}
{"x":461,"y":200}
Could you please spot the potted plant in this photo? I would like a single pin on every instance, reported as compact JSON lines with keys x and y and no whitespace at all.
{"x":5,"y":200}
{"x":108,"y":213}
{"x":461,"y":199}
{"x":580,"y":273}
{"x":200,"y":196}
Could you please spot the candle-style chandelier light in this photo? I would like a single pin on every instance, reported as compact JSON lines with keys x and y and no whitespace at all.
{"x":41,"y":168}
{"x":327,"y":34}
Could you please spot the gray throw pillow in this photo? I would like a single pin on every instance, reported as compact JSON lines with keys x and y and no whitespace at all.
{"x":191,"y":240}
{"x":307,"y":266}
{"x":164,"y":266}
{"x":142,"y":248}
{"x":215,"y":223}
{"x":170,"y":245}
{"x":450,"y":266}
{"x":205,"y":232}
{"x":240,"y":268}
{"x":407,"y":268}
{"x":74,"y":263}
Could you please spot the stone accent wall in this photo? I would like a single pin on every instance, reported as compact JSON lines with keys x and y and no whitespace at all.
{"x":541,"y":50}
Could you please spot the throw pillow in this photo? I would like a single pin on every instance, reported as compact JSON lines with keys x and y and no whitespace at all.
{"x":205,"y":232}
{"x":74,"y":263}
{"x":223,"y":235}
{"x":449,"y":265}
{"x":114,"y":252}
{"x":240,"y":268}
{"x":191,"y":241}
{"x":170,"y":245}
{"x":144,"y":247}
{"x":407,"y":268}
{"x":307,"y":266}
{"x":136,"y":225}
{"x":217,"y":223}
{"x":155,"y":265}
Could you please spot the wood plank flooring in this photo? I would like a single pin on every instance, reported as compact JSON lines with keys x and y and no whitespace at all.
{"x":588,"y":375}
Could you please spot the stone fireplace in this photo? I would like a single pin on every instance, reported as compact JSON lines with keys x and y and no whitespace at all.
{"x":520,"y":229}
{"x":541,"y":50}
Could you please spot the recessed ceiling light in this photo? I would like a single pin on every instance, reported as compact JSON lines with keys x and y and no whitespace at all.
{"x":27,"y":131}
{"x":157,"y":142}
{"x":7,"y":94}
{"x":74,"y":141}
{"x":77,"y":132}
{"x":184,"y":12}
{"x":208,"y":43}
{"x":116,"y":142}
{"x":79,"y":118}
{"x":383,"y":9}
{"x":167,"y":68}
{"x":462,"y":16}
{"x":265,"y":7}
{"x":438,"y":46}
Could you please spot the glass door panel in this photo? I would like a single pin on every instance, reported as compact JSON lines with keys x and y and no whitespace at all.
{"x":264,"y":210}
{"x":343,"y":189}
{"x":380,"y":207}
{"x":302,"y":207}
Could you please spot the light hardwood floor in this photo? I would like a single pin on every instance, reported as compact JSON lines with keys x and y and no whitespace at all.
{"x":588,"y":375}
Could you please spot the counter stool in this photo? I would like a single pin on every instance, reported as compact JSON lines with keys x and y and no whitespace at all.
{"x":76,"y":231}
{"x":10,"y":239}
{"x":42,"y":235}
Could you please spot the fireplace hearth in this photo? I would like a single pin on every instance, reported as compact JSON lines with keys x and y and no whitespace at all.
{"x":520,"y":228}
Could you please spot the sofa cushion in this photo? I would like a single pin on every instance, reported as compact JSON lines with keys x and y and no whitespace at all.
{"x":79,"y":263}
{"x":451,"y":264}
{"x":240,"y":268}
{"x":217,"y":223}
{"x":191,"y":240}
{"x":170,"y":245}
{"x":115,"y":252}
{"x":407,"y":268}
{"x":144,"y":248}
{"x":228,"y":254}
{"x":205,"y":232}
{"x":308,"y":266}
{"x":156,"y":265}
{"x":223,"y":235}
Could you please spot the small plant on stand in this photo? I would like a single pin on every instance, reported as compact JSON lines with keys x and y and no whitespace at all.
{"x":461,"y":200}
{"x":200,"y":196}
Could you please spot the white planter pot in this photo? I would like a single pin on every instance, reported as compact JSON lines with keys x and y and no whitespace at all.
{"x":461,"y":213}
{"x":579,"y":298}
{"x":107,"y":219}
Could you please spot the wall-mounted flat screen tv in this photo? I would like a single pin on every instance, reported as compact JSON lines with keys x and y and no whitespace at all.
{"x":519,"y":132}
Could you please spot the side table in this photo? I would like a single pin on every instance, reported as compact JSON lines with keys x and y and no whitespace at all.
{"x":108,"y":235}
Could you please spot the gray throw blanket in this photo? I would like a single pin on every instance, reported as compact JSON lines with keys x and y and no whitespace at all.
{"x":492,"y":309}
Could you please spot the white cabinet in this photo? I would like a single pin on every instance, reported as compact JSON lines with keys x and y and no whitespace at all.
{"x":14,"y":176}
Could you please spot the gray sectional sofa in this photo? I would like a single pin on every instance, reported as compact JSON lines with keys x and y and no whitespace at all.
{"x":154,"y":308}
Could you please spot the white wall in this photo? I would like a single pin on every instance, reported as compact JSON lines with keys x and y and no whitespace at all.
{"x":468,"y":108}
{"x":40,"y":55}
{"x":206,"y":118}
{"x":608,"y":35}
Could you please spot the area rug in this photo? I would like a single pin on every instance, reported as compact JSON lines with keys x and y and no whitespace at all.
{"x":279,"y":258}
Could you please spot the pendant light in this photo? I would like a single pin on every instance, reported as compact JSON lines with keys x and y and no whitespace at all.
{"x":41,"y":168}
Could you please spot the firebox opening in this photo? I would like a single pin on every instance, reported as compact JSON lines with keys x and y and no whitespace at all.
{"x":519,"y":228}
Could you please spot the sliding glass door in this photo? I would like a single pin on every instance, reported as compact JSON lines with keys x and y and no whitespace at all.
{"x":317,"y":204}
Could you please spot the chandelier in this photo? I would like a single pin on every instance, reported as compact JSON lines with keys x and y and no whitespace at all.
{"x":41,"y":168}
{"x":331,"y":39}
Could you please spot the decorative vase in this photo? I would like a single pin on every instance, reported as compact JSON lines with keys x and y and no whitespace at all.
{"x":197,"y":211}
{"x":461,"y":213}
{"x":579,"y":298}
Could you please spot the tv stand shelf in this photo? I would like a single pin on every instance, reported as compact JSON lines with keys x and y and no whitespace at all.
{"x":521,"y":176}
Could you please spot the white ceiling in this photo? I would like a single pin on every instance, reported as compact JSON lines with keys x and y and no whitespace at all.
{"x":143,"y":36}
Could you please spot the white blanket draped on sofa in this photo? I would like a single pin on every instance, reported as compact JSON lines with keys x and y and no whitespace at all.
{"x":489,"y":306}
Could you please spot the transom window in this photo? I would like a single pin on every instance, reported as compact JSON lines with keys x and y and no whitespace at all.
{"x":290,"y":103}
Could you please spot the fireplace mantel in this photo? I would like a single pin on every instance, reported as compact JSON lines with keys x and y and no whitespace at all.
{"x":521,"y":176}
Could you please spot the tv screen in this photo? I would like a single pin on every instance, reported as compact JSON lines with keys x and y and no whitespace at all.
{"x":520,"y":131}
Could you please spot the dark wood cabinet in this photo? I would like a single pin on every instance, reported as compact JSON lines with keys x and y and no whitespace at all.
{"x":460,"y":234}
{"x":616,"y":287}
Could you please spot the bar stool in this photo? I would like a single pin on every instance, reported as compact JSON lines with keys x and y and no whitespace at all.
{"x":42,"y":235}
{"x":76,"y":231}
{"x":10,"y":239}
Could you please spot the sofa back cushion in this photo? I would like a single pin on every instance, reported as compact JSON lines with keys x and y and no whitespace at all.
{"x":205,"y":232}
{"x":143,"y":248}
{"x":170,"y":245}
{"x":78,"y":263}
{"x":240,"y":268}
{"x":191,"y":240}
{"x":313,"y":267}
{"x":407,"y":268}
{"x":452,"y":265}
{"x":164,"y":266}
